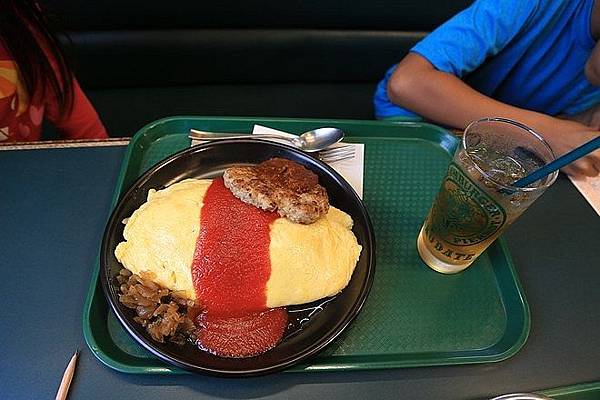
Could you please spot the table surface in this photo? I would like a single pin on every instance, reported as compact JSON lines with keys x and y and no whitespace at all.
{"x":53,"y":209}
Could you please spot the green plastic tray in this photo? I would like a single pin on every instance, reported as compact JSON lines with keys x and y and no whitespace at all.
{"x":413,"y":316}
{"x":582,"y":391}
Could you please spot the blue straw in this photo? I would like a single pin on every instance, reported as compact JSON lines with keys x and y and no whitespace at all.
{"x":560,"y":162}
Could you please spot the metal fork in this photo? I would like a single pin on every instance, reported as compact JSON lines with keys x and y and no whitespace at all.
{"x":336,"y":154}
{"x":329,"y":155}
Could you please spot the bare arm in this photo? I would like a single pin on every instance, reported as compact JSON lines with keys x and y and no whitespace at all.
{"x":444,"y":98}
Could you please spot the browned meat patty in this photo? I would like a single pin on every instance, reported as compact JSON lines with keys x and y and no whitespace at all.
{"x":280,"y":185}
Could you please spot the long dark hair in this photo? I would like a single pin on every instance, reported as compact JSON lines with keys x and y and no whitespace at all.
{"x":25,"y":32}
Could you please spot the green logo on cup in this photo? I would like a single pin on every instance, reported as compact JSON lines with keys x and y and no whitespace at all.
{"x":465,"y":214}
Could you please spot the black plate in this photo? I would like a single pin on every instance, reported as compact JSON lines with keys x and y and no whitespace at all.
{"x":326,"y":318}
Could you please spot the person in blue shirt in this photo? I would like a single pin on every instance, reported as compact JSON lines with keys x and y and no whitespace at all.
{"x":534,"y":61}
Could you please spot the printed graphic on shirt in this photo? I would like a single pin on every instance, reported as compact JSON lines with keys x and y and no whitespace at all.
{"x":17,"y":118}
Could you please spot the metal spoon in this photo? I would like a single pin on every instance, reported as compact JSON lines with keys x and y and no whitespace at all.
{"x":310,"y":141}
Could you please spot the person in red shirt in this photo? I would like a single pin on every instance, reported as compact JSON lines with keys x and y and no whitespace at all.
{"x":36,"y":81}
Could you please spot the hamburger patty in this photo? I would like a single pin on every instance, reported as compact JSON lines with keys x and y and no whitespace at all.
{"x":280,"y":185}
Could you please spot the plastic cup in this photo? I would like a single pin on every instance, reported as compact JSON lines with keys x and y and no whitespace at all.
{"x":476,"y":201}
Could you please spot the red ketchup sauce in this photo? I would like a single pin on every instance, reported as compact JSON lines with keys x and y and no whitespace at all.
{"x":230,"y":270}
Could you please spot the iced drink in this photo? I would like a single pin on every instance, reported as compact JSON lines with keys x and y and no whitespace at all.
{"x":476,"y":200}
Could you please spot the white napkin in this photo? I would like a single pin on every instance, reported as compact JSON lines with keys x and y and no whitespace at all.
{"x":352,"y":169}
{"x":590,"y":189}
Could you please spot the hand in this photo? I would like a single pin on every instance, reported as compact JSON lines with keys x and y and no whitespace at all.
{"x":566,"y":136}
